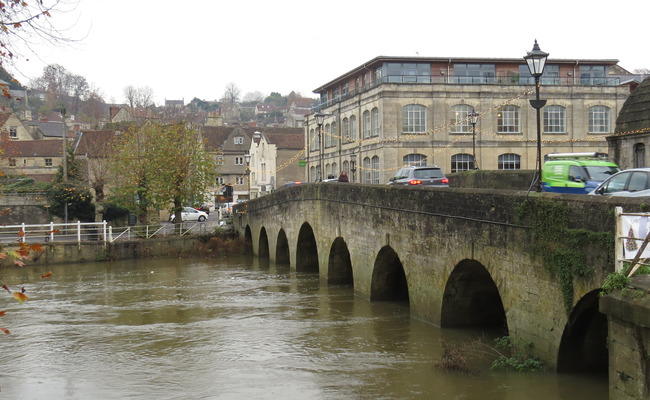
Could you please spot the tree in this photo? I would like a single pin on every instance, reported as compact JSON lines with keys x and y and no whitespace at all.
{"x":253,"y":97}
{"x":71,"y":191}
{"x":643,"y":71}
{"x":141,"y":97}
{"x":63,"y":88}
{"x":231,"y":95}
{"x":158,"y":165}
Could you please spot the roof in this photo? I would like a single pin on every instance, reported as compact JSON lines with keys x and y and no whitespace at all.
{"x":217,"y":135}
{"x":377,"y":61}
{"x":38,"y":148}
{"x":634,"y":116}
{"x":287,"y":141}
{"x":50,"y":129}
{"x":95,"y":143}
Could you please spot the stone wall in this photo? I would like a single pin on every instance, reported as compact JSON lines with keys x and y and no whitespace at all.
{"x":28,"y":208}
{"x":629,"y":340}
{"x":493,"y":179}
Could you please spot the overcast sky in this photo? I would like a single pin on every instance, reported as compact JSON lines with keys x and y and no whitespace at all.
{"x":193,"y":49}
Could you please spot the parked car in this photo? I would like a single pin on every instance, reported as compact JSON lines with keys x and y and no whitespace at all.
{"x":429,"y":175}
{"x":190,"y":214}
{"x":578,"y":173}
{"x":633,"y":182}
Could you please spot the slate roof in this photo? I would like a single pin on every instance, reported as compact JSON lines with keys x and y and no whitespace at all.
{"x":634,"y":116}
{"x":37,"y":148}
{"x":287,"y":141}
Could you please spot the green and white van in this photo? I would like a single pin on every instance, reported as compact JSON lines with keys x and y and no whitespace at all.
{"x":578,"y":173}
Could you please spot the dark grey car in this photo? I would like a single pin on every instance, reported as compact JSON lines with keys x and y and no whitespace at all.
{"x":427,"y":176}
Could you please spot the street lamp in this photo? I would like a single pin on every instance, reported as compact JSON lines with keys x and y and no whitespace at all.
{"x":473,"y":119}
{"x":353,"y":164}
{"x":536,"y":60}
{"x":320,"y":118}
{"x":247,"y":157}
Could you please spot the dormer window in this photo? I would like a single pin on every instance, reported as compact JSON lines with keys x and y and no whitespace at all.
{"x":238,"y":139}
{"x":13,"y":132}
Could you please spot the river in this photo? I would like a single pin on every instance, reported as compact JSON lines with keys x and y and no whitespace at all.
{"x":233,"y":329}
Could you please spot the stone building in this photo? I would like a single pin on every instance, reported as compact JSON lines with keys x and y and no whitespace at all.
{"x":392,"y":111}
{"x":629,"y":145}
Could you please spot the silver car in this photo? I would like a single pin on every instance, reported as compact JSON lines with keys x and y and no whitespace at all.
{"x":190,"y":214}
{"x":633,"y":182}
{"x":429,"y":175}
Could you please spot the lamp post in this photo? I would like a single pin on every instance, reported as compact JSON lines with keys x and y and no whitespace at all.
{"x":353,"y":164}
{"x":247,"y":157}
{"x":64,"y":163}
{"x":320,"y":118}
{"x":536,"y":60}
{"x":473,"y":119}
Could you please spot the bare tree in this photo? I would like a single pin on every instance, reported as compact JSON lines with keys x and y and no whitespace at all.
{"x":642,"y":71}
{"x":254,"y":97}
{"x":141,"y":97}
{"x":231,"y":95}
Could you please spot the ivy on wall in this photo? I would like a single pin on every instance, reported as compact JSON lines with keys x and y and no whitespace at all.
{"x":562,"y":249}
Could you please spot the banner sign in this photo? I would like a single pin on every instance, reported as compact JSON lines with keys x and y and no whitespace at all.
{"x":634,"y":231}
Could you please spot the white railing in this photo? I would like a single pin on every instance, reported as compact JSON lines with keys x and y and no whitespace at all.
{"x":91,"y":231}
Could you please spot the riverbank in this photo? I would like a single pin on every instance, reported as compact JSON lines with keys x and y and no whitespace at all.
{"x":166,"y":246}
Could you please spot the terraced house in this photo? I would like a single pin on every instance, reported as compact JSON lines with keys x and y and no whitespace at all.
{"x":392,"y":111}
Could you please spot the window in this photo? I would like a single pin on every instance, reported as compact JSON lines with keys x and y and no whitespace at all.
{"x":406,"y":73}
{"x":353,"y":127}
{"x":418,"y":160}
{"x":239,"y":180}
{"x":239,"y":160}
{"x":238,"y":139}
{"x":345,"y":89}
{"x":345,"y":129}
{"x":334,"y":134}
{"x":474,"y":73}
{"x":366,"y":124}
{"x":460,"y":119}
{"x":13,"y":132}
{"x":219,"y":160}
{"x":554,"y":119}
{"x":263,"y":168}
{"x":639,"y":155}
{"x":592,"y":74}
{"x":335,"y":170}
{"x":12,"y":162}
{"x":414,"y":119}
{"x":346,"y":166}
{"x":461,"y":162}
{"x":375,"y":169}
{"x":48,"y":162}
{"x":599,"y":119}
{"x":367,"y":173}
{"x":335,"y":93}
{"x":551,"y":75}
{"x":508,"y":119}
{"x":509,"y":161}
{"x":314,"y":140}
{"x":328,"y":135}
{"x":219,"y":180}
{"x":375,"y":122}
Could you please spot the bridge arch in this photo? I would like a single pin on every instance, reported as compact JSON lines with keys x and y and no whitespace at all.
{"x":339,"y":266}
{"x":584,"y":341}
{"x":472,"y":299}
{"x":282,"y":253}
{"x":263,"y":244}
{"x":248,"y":240}
{"x":306,"y":250}
{"x":388,"y":277}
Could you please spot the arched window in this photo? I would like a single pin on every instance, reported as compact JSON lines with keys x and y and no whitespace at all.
{"x":375,"y":169}
{"x":639,"y":155}
{"x":375,"y":122}
{"x":462,"y":162}
{"x":599,"y":119}
{"x":367,"y":126}
{"x":414,"y":118}
{"x":460,"y":119}
{"x":367,"y":170}
{"x":509,"y":119}
{"x":328,"y":137}
{"x":346,"y":166}
{"x":345,"y":129}
{"x":313,"y":140}
{"x":417,"y":160}
{"x":334,"y":134}
{"x":554,"y":119}
{"x":335,"y":170}
{"x":328,"y":171}
{"x":353,"y":127}
{"x":509,"y":161}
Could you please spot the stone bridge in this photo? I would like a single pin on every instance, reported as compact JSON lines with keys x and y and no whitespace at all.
{"x":529,"y":264}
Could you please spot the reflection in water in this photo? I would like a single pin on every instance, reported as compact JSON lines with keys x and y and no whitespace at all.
{"x":233,"y":329}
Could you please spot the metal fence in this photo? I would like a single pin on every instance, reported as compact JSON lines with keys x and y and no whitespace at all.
{"x":93,"y":231}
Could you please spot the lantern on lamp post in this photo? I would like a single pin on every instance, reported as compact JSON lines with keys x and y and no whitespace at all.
{"x":536,"y":60}
{"x":247,"y":157}
{"x":320,"y":118}
{"x":473,"y":119}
